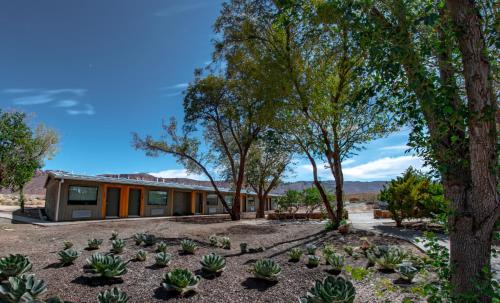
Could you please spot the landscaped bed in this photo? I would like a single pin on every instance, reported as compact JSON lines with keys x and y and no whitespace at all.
{"x":142,"y":282}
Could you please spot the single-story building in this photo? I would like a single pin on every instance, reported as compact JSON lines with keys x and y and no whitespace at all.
{"x":78,"y":197}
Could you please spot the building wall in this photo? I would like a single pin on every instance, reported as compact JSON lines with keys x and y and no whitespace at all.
{"x":51,"y":198}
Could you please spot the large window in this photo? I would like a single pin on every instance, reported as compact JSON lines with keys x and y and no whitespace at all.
{"x":82,"y":195}
{"x":212,"y":200}
{"x":156,"y":197}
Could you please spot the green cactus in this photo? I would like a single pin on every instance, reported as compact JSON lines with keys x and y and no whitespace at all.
{"x":114,"y":295}
{"x":225,"y":242}
{"x":180,"y":280}
{"x":93,"y":244}
{"x":333,"y":289}
{"x":161,"y":247}
{"x":188,"y":246}
{"x":213,"y":263}
{"x":138,"y":238}
{"x":162,"y":259}
{"x":25,"y":288}
{"x":114,"y":235}
{"x":67,"y":244}
{"x":406,"y":271}
{"x":13,"y":266}
{"x":311,"y":249}
{"x":140,"y":256}
{"x":109,"y":266}
{"x":313,"y":260}
{"x":148,"y":239}
{"x":266,"y":269}
{"x":294,"y":254}
{"x":68,"y":256}
{"x":336,"y":261}
{"x":117,"y":246}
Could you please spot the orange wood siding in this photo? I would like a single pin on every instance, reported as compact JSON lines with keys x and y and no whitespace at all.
{"x":193,"y":202}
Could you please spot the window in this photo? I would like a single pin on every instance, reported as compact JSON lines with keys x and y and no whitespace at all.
{"x":212,"y":199}
{"x":156,"y":197}
{"x":82,"y":195}
{"x":229,"y":200}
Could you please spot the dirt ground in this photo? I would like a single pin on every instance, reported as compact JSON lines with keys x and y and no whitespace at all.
{"x":142,"y":282}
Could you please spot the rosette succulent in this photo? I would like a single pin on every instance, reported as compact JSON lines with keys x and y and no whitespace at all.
{"x":406,"y":271}
{"x":161,"y":247}
{"x":148,"y":239}
{"x":114,"y":235}
{"x":25,"y":288}
{"x":180,"y":280}
{"x":311,"y":249}
{"x":266,"y":269}
{"x":390,"y":258}
{"x":213,"y":263}
{"x":114,"y":295}
{"x":188,"y":246}
{"x":138,"y":238}
{"x":294,"y":254}
{"x":162,"y":259}
{"x":140,"y":256}
{"x":225,"y":242}
{"x":336,"y":261}
{"x":313,"y":260}
{"x":68,"y":256}
{"x":117,"y":246}
{"x":213,"y":240}
{"x":14,"y":265}
{"x":109,"y":266}
{"x":333,"y":289}
{"x":94,"y":244}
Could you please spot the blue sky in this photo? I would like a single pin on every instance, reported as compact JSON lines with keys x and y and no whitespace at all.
{"x":97,"y":71}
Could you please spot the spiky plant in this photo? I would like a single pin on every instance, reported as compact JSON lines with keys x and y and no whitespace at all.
{"x":336,"y":261}
{"x":138,"y":238}
{"x":349,"y":250}
{"x":225,"y":242}
{"x":294,"y":254}
{"x":68,"y":256}
{"x":149,"y":239}
{"x":389,"y":259}
{"x":213,"y":263}
{"x":114,"y":295}
{"x":67,"y":244}
{"x":313,"y":260}
{"x":117,"y":246}
{"x":93,"y":244}
{"x":327,"y":250}
{"x":140,"y":256}
{"x":188,"y":246}
{"x":406,"y":271}
{"x":161,"y":247}
{"x":180,"y":280}
{"x":14,"y":265}
{"x":311,"y":249}
{"x":266,"y":269}
{"x":25,"y":288}
{"x":333,"y":289}
{"x":213,"y":240}
{"x":114,"y":235}
{"x":162,"y":259}
{"x":244,"y":247}
{"x":109,"y":266}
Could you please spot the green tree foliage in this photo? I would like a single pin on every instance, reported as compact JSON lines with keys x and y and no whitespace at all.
{"x":22,"y":151}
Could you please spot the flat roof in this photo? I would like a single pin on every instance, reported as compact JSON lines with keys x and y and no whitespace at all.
{"x":126,"y":181}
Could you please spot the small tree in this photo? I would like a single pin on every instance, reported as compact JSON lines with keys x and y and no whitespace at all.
{"x":311,"y":199}
{"x":290,"y":201}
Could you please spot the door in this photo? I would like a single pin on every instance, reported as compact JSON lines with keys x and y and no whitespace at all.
{"x":199,"y":203}
{"x":134,"y":202}
{"x":113,"y":202}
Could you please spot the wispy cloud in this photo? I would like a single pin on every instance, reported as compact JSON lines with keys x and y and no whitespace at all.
{"x":395,"y":147}
{"x":66,"y":103}
{"x":33,"y":100}
{"x":177,"y":86}
{"x":87,"y":110}
{"x":382,"y":169}
{"x":182,"y":8}
{"x":178,"y":173}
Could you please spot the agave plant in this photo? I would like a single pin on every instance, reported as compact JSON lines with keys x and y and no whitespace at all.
{"x":68,"y":256}
{"x":117,"y":246}
{"x":328,"y":250}
{"x":244,"y":247}
{"x":406,"y":271}
{"x":149,"y":239}
{"x":336,"y":261}
{"x":266,"y":269}
{"x":313,"y":260}
{"x":225,"y":242}
{"x":14,"y":265}
{"x":180,"y":280}
{"x":138,"y":238}
{"x":94,"y":243}
{"x":109,"y":266}
{"x":214,"y":240}
{"x":114,"y":235}
{"x":295,"y":254}
{"x":388,"y":260}
{"x":114,"y":295}
{"x":333,"y":289}
{"x":140,"y":256}
{"x":188,"y":246}
{"x":162,"y":259}
{"x":161,"y":247}
{"x":67,"y":244}
{"x":25,"y":288}
{"x":311,"y":249}
{"x":213,"y":263}
{"x":349,"y":250}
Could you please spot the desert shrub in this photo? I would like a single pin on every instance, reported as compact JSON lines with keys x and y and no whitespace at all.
{"x":25,"y":288}
{"x":313,"y":260}
{"x":331,"y":290}
{"x":149,"y":239}
{"x":311,"y":199}
{"x":141,"y":256}
{"x":67,"y":244}
{"x":114,"y":295}
{"x":68,"y":256}
{"x":114,"y":235}
{"x":109,"y":266}
{"x":243,"y":247}
{"x":311,"y":249}
{"x":93,"y":244}
{"x":225,"y":242}
{"x":213,"y":263}
{"x":138,"y":238}
{"x":180,"y":280}
{"x":289,"y":202}
{"x":188,"y":246}
{"x":14,"y":265}
{"x":161,"y":247}
{"x":117,"y":246}
{"x":294,"y":254}
{"x":266,"y":269}
{"x":162,"y":259}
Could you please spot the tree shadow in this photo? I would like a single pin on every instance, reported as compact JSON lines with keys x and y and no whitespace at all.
{"x":155,"y":267}
{"x":96,"y":281}
{"x":162,"y":294}
{"x":258,"y":284}
{"x":207,"y":275}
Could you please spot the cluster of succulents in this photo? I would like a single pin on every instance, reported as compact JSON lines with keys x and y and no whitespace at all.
{"x":213,"y":240}
{"x":117,"y":246}
{"x":223,"y":242}
{"x":24,"y":288}
{"x":93,"y":244}
{"x":266,"y":269}
{"x":311,"y":249}
{"x":294,"y":254}
{"x":180,"y":280}
{"x":213,"y":263}
{"x":244,"y":247}
{"x":161,"y":247}
{"x":336,"y":261}
{"x":406,"y":271}
{"x":390,"y":257}
{"x":148,"y":239}
{"x":188,"y":246}
{"x":138,"y":238}
{"x":14,"y":265}
{"x":162,"y":259}
{"x":68,"y":256}
{"x":114,"y":295}
{"x":140,"y":256}
{"x":114,"y":235}
{"x":67,"y":244}
{"x":333,"y":289}
{"x":313,"y":260}
{"x":109,"y":266}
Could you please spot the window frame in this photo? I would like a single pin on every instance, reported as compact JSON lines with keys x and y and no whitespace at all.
{"x":216,"y":200}
{"x":83,"y":202}
{"x":161,"y":204}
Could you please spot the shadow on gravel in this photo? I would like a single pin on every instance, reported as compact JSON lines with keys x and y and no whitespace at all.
{"x":162,"y":294}
{"x":258,"y":284}
{"x":96,"y":281}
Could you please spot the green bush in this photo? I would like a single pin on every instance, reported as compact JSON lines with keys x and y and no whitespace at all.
{"x":180,"y":280}
{"x":331,"y":290}
{"x":114,"y":295}
{"x":14,"y":265}
{"x":25,"y":288}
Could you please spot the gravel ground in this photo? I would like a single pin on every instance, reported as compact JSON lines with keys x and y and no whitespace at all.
{"x":142,"y":282}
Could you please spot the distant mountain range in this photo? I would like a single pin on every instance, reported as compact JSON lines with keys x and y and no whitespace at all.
{"x":36,"y":186}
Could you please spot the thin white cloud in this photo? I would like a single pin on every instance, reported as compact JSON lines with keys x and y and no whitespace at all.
{"x":33,"y":100}
{"x":88,"y":110}
{"x":177,"y":173}
{"x":395,"y":147}
{"x":382,"y":169}
{"x":73,"y":91}
{"x":66,"y":103}
{"x":181,"y":8}
{"x":177,"y":86}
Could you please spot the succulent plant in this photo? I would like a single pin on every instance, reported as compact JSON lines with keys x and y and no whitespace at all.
{"x":214,"y":240}
{"x":311,"y":249}
{"x":333,"y":289}
{"x":213,"y":263}
{"x":161,"y":247}
{"x":140,"y":255}
{"x":349,"y":250}
{"x":138,"y":238}
{"x":180,"y":280}
{"x":244,"y":247}
{"x":109,"y":266}
{"x":14,"y":265}
{"x":162,"y":259}
{"x":188,"y":246}
{"x":148,"y":239}
{"x":25,"y":288}
{"x":225,"y":242}
{"x":266,"y":269}
{"x":67,"y":244}
{"x":114,"y":235}
{"x":327,"y":250}
{"x":68,"y":256}
{"x":336,"y":261}
{"x":313,"y":260}
{"x":295,"y":254}
{"x":388,"y":260}
{"x":406,"y":271}
{"x":117,"y":246}
{"x":114,"y":295}
{"x":94,"y":243}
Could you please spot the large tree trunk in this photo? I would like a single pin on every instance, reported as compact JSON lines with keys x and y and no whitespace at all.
{"x":262,"y":205}
{"x":322,"y":193}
